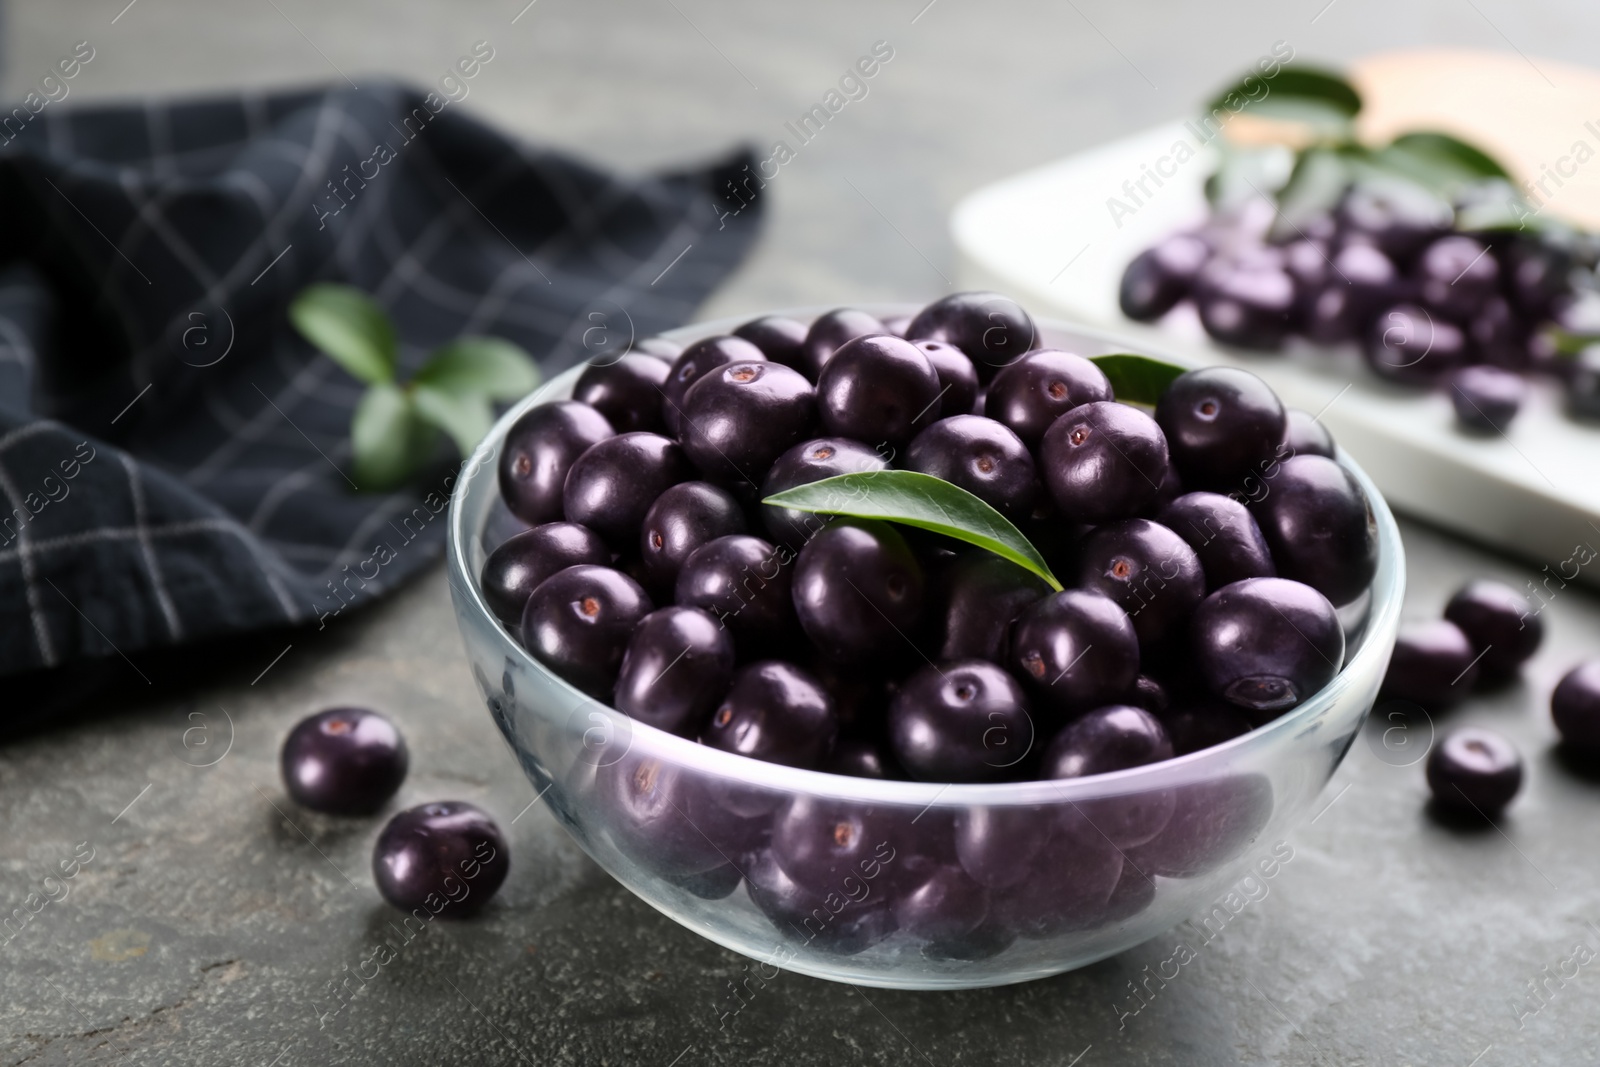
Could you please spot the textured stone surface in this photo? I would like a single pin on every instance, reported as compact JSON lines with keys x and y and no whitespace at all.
{"x":207,"y":925}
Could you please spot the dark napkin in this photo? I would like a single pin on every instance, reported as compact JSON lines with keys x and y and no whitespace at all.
{"x":173,"y":456}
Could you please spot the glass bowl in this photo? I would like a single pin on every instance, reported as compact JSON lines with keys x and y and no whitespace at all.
{"x":1071,"y":871}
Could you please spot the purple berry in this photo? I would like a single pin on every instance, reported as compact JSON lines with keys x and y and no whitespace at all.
{"x":696,"y":361}
{"x":1486,"y":398}
{"x":1320,"y":527}
{"x":1413,"y":346}
{"x":958,"y":380}
{"x":448,"y":857}
{"x":678,"y":666}
{"x":1077,"y":650}
{"x":1102,"y":462}
{"x":965,"y":721}
{"x":514,"y":570}
{"x":738,"y":419}
{"x":1224,"y":536}
{"x":344,"y":761}
{"x":1212,"y":822}
{"x":858,"y":590}
{"x":980,"y":456}
{"x":1476,"y":771}
{"x":1030,"y":393}
{"x":774,"y":712}
{"x":541,"y":447}
{"x":1457,"y":276}
{"x":991,"y":329}
{"x":744,"y":583}
{"x":578,"y":623}
{"x":829,"y":333}
{"x":1148,"y":571}
{"x":1161,"y":276}
{"x":1221,"y":424}
{"x":612,"y":485}
{"x":782,"y":339}
{"x":878,"y":388}
{"x":1433,"y":664}
{"x":626,"y":391}
{"x":1305,"y":435}
{"x":1266,"y":644}
{"x":983,"y":593}
{"x":1575,"y":707}
{"x":1245,"y":305}
{"x":1500,"y":624}
{"x":811,"y":461}
{"x":681,"y":520}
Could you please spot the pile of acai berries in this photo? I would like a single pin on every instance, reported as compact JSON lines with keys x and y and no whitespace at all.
{"x":1202,"y":547}
{"x":1399,"y":272}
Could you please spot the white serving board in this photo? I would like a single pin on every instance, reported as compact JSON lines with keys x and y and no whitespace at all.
{"x":1048,"y":239}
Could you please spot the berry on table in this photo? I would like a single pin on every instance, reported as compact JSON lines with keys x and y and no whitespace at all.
{"x":344,"y":761}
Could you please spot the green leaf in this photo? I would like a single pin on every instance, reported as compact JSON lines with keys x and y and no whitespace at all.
{"x":1319,"y":178}
{"x":1137,"y":379}
{"x":1318,"y":98}
{"x":465,"y":417}
{"x":388,"y":438}
{"x":919,"y":500}
{"x":349,"y":327}
{"x":483,"y":366}
{"x":1439,"y":161}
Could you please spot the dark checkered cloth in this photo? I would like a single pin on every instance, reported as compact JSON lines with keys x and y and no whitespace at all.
{"x":174,"y":458}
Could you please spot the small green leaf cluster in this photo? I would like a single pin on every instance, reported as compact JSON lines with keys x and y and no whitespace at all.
{"x":396,"y":425}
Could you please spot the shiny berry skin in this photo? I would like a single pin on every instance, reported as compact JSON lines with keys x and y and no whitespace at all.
{"x":1319,"y":526}
{"x":1474,"y":771}
{"x":958,"y":379}
{"x":744,"y":583}
{"x":1309,"y":266}
{"x":1399,"y":217}
{"x":1076,"y":650}
{"x":1068,"y":888}
{"x":1148,"y":571}
{"x":1224,"y":536}
{"x":1457,"y":274}
{"x":626,"y":391}
{"x":666,"y":818}
{"x":448,"y":857}
{"x":514,"y":570}
{"x":1107,"y":739}
{"x":858,"y":590}
{"x":965,"y":721}
{"x":677,"y":667}
{"x":682,"y":519}
{"x":842,"y":922}
{"x":1102,"y":462}
{"x":829,"y":333}
{"x":1413,"y":346}
{"x":578,"y":623}
{"x":738,"y":419}
{"x":991,"y":329}
{"x":1222,"y":424}
{"x":1361,"y":280}
{"x":1499,"y":623}
{"x":821,"y":842}
{"x":948,"y":911}
{"x":540,"y":449}
{"x":1161,"y":276}
{"x":1029,"y":393}
{"x":1486,"y":398}
{"x":1244,"y":305}
{"x":878,"y":388}
{"x":1575,"y":707}
{"x":980,"y":456}
{"x":696,"y":361}
{"x":807,"y":462}
{"x":1266,"y":644}
{"x":1305,"y":435}
{"x":1433,"y":664}
{"x":775,"y":712}
{"x":1499,"y":335}
{"x":612,"y":485}
{"x":1212,"y":822}
{"x":998,"y":846}
{"x":344,"y":761}
{"x":782,"y":339}
{"x":982,"y":595}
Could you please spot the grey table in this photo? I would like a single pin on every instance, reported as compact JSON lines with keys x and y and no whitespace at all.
{"x":211,"y":917}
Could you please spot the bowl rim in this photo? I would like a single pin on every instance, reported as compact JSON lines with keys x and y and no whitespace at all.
{"x":1387,"y":592}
